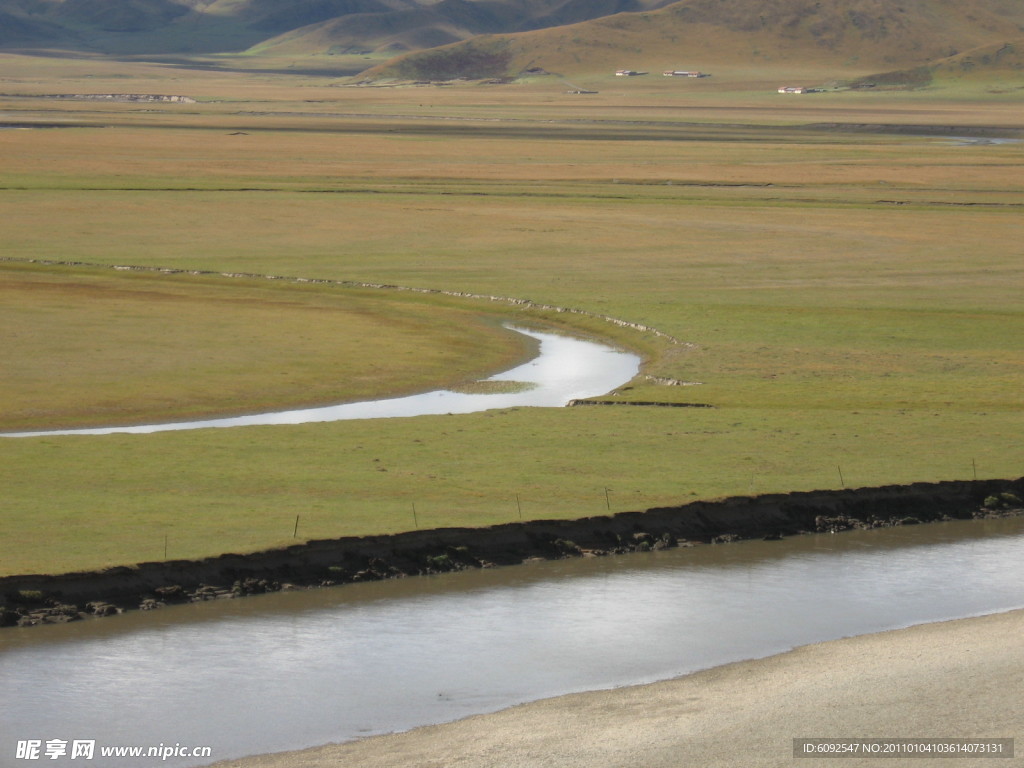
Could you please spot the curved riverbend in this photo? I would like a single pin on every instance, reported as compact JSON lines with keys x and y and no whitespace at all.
{"x":565,"y":369}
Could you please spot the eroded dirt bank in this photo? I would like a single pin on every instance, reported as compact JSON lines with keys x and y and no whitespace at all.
{"x":35,"y":599}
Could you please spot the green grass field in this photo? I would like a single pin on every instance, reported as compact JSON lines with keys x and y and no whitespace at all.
{"x":853,"y":298}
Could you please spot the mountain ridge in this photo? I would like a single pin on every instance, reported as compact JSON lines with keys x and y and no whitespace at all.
{"x":448,"y":39}
{"x":865,"y":35}
{"x":231,"y":26}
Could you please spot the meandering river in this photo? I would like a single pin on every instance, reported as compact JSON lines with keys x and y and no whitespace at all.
{"x":292,"y":670}
{"x":296,"y":669}
{"x":564,"y":369}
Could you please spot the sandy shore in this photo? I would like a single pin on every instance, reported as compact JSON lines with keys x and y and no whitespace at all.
{"x":952,"y":679}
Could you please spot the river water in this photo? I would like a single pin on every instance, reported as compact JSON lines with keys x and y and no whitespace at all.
{"x":564,"y":369}
{"x":292,"y":670}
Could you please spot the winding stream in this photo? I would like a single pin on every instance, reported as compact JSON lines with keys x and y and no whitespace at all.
{"x":291,"y":670}
{"x":564,"y":369}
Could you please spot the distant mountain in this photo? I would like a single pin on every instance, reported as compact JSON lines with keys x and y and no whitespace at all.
{"x":300,"y":26}
{"x":18,"y":30}
{"x":445,"y":39}
{"x":1007,"y":57}
{"x":1000,"y":61}
{"x":869,"y":35}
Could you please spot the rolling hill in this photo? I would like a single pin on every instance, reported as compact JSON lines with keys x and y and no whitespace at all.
{"x":302,"y":26}
{"x":865,"y":35}
{"x":446,"y":39}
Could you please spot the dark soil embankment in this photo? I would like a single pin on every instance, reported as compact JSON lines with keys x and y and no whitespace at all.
{"x":973,"y":131}
{"x":35,"y":599}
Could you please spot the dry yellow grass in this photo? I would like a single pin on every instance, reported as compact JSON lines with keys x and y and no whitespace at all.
{"x":91,"y":348}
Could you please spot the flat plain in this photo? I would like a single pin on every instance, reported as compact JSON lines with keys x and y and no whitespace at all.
{"x":843,"y":271}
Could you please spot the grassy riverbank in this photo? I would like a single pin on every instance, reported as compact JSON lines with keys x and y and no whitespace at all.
{"x":92,"y":347}
{"x":853,"y":299}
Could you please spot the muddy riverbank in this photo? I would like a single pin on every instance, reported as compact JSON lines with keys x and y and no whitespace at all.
{"x":39,"y":598}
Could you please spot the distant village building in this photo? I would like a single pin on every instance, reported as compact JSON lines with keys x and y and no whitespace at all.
{"x":684,"y":73}
{"x":796,"y":89}
{"x":144,"y":97}
{"x":628,"y":73}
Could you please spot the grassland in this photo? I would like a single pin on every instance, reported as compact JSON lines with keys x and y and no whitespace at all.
{"x":91,"y":348}
{"x":853,"y":297}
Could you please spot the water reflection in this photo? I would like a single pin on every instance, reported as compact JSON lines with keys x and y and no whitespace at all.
{"x":291,"y":670}
{"x":565,"y":369}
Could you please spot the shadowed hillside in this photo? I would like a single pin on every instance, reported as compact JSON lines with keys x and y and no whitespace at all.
{"x":870,"y":35}
{"x":1005,"y":60}
{"x":909,"y":42}
{"x":1007,"y":56}
{"x":295,"y":26}
{"x":124,"y":16}
{"x":410,"y":26}
{"x":20,"y":28}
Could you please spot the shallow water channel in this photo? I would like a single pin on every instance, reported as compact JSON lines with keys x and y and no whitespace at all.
{"x":291,"y":670}
{"x":564,"y":369}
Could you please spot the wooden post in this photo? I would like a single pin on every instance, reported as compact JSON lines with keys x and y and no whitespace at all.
{"x":295,"y":533}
